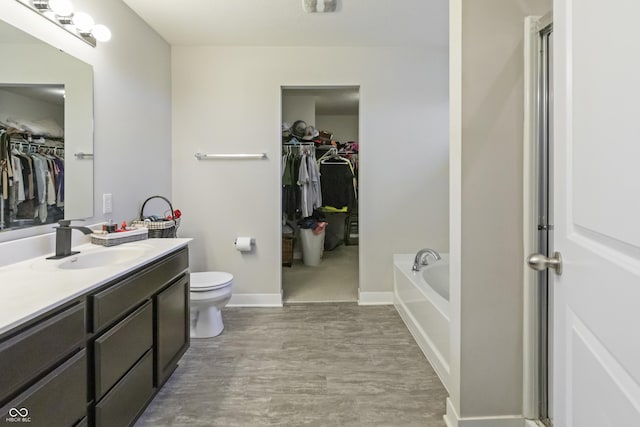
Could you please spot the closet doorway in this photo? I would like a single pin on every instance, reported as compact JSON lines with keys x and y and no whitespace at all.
{"x":320,"y":164}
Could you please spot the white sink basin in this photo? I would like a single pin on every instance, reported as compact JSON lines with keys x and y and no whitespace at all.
{"x":103,"y":257}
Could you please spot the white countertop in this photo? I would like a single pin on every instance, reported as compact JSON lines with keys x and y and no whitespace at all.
{"x":35,"y":286}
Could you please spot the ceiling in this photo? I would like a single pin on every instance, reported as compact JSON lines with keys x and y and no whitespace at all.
{"x":53,"y":94}
{"x":418,"y":23}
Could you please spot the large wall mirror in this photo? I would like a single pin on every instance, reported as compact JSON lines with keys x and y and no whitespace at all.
{"x":46,"y":118}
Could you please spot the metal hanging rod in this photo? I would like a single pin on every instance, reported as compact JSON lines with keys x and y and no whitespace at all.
{"x":201,"y":156}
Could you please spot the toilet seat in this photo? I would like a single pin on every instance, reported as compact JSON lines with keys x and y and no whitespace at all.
{"x":209,"y":281}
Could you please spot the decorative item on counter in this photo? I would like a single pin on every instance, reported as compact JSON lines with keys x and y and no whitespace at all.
{"x":105,"y":238}
{"x":109,"y":228}
{"x":165,"y":226}
{"x":176,"y":215}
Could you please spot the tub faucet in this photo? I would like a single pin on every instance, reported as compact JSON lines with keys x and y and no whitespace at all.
{"x":63,"y":238}
{"x":421,"y":258}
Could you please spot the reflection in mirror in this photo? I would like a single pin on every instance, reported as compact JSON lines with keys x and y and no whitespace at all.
{"x":32,"y":155}
{"x":46,"y":119}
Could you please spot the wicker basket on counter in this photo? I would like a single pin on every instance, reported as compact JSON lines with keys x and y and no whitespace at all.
{"x":158,"y":227}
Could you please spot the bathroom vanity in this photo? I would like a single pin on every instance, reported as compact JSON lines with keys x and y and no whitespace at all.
{"x":92,"y":354}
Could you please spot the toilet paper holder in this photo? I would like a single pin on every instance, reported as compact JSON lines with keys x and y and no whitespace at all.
{"x":244,"y":244}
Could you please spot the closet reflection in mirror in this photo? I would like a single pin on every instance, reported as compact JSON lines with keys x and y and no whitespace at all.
{"x":32,"y":153}
{"x":46,"y":117}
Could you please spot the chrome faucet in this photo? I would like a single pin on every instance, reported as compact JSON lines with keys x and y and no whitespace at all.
{"x":421,"y":258}
{"x":63,"y":238}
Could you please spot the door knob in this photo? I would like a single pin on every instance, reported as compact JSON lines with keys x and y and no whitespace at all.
{"x":540,"y":262}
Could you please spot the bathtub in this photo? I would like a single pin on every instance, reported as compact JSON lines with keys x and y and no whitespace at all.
{"x":422,"y":299}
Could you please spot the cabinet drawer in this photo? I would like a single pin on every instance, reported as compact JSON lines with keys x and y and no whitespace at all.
{"x":124,"y":403}
{"x":59,"y":399}
{"x":34,"y":351}
{"x":121,"y":346}
{"x":131,"y":291}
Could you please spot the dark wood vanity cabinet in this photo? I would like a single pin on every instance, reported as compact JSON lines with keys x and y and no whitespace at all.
{"x":43,"y":370}
{"x":99,"y":360}
{"x":140,"y":324}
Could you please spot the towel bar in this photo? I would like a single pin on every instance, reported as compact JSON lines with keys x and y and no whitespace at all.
{"x":201,"y":156}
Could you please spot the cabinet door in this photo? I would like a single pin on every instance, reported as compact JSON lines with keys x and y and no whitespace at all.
{"x":172,"y":323}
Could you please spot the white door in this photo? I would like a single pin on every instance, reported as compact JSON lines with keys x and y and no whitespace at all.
{"x":596,"y":341}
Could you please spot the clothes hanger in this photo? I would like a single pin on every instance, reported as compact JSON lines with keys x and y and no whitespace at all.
{"x":333,"y":157}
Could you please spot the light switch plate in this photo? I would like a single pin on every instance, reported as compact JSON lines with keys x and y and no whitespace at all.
{"x":107,"y":203}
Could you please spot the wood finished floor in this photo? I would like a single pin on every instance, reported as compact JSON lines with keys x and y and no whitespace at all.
{"x":335,"y":364}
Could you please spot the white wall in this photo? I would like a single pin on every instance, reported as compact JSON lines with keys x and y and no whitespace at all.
{"x":132,"y":101}
{"x":231,"y":102}
{"x":343,"y":127}
{"x":486,"y":206}
{"x":298,"y":107}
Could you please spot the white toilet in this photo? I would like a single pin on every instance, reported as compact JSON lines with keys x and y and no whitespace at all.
{"x":210,"y":291}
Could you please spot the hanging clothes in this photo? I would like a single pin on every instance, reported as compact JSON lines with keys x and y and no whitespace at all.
{"x":338,"y":183}
{"x":32,"y":182}
{"x":301,"y":192}
{"x":309,"y":182}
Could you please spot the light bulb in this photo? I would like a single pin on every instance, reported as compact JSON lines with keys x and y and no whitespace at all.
{"x":101,"y":32}
{"x":61,"y":7}
{"x":83,"y":22}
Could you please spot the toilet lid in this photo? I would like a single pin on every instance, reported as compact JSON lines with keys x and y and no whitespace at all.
{"x":209,"y":280}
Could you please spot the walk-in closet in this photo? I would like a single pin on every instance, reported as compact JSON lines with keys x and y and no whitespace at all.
{"x":320,"y":163}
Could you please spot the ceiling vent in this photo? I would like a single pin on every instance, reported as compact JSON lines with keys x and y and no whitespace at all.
{"x":320,"y":6}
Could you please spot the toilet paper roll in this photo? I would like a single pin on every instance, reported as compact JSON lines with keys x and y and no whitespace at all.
{"x":243,"y":244}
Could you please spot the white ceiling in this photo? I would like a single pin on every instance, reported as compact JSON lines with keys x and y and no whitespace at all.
{"x":284,"y":23}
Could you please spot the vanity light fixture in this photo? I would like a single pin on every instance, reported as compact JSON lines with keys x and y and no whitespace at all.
{"x":80,"y":24}
{"x":320,"y":6}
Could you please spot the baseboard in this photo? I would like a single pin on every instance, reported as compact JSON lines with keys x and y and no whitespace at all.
{"x":375,"y":298}
{"x":452,"y":419}
{"x":255,"y":300}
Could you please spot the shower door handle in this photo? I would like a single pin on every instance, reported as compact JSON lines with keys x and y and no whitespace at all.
{"x":540,"y":262}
